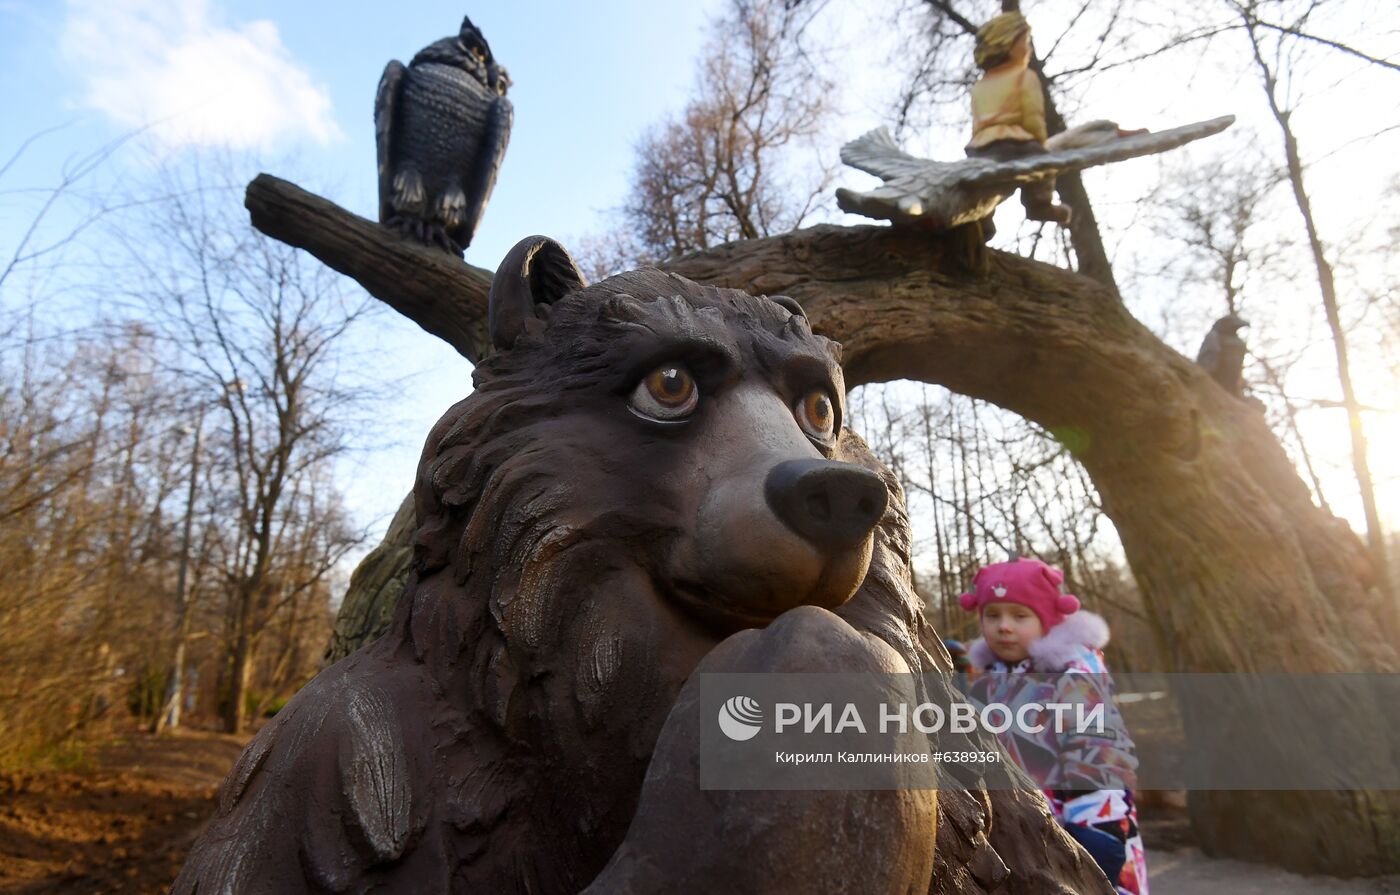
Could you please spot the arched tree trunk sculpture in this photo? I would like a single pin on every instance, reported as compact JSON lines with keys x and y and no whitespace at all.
{"x":1239,"y":570}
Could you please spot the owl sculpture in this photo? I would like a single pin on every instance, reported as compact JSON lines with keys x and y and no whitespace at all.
{"x":441,"y":125}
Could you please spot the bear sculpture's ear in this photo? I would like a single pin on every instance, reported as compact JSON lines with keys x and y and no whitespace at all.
{"x":538,"y":271}
{"x":790,"y":303}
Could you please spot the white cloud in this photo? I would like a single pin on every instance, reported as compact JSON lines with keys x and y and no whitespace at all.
{"x":174,"y":65}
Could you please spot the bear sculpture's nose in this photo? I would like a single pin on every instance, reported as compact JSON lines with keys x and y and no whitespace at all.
{"x":833,"y":505}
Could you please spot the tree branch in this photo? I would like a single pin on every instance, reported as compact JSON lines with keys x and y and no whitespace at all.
{"x":1335,"y":45}
{"x":900,"y":301}
{"x":441,"y":294}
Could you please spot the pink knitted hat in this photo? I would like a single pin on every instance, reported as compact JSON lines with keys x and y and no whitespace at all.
{"x":1029,"y":582}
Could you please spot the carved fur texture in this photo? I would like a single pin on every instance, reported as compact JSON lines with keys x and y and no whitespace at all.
{"x":573,"y":563}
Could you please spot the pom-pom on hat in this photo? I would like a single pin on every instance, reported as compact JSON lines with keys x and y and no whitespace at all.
{"x":1029,"y":582}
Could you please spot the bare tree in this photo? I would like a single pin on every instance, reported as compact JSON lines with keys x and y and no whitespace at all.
{"x":168,"y":716}
{"x":126,"y":548}
{"x":84,"y":471}
{"x":717,"y":172}
{"x":983,"y":485}
{"x":1214,"y":213}
{"x":939,"y":58}
{"x":1269,"y":46}
{"x":253,"y":328}
{"x":48,"y":233}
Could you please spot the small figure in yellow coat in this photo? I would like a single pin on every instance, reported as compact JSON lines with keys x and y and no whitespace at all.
{"x":1008,"y":109}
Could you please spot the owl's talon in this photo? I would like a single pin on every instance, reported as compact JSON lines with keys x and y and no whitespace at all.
{"x":424,"y":232}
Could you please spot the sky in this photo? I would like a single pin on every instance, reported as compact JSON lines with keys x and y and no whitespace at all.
{"x":297,"y":80}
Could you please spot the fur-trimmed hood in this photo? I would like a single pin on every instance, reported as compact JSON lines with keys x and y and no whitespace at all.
{"x":1053,"y":652}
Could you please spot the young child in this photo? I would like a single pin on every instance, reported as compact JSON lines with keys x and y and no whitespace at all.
{"x":1028,"y":625}
{"x":1008,"y":109}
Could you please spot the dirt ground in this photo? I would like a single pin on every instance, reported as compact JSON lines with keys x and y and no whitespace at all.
{"x":1176,"y":866}
{"x":125,"y":824}
{"x":1188,"y":872}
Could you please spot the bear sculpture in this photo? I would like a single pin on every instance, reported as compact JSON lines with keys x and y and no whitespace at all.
{"x":651,"y":478}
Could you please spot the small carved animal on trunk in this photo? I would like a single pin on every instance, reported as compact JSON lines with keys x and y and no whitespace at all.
{"x":441,"y":127}
{"x":1222,"y":354}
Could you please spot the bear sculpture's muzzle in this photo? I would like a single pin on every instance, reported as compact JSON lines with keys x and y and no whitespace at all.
{"x":831,"y":504}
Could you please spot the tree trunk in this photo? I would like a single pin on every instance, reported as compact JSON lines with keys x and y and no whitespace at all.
{"x":375,"y":587}
{"x":169,"y":713}
{"x":1084,"y":235}
{"x":1239,"y":570}
{"x":241,"y":671}
{"x":1327,"y":287}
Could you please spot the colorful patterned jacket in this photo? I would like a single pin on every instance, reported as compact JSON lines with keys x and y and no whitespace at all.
{"x":1088,"y":777}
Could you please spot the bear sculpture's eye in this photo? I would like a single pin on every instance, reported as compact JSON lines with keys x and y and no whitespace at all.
{"x":667,"y":394}
{"x":816,"y":414}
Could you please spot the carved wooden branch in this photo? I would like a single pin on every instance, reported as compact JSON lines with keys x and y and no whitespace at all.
{"x":442,"y":294}
{"x":873,"y":288}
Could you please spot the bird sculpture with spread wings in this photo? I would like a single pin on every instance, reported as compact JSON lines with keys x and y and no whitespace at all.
{"x":441,"y":127}
{"x":942,"y":195}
